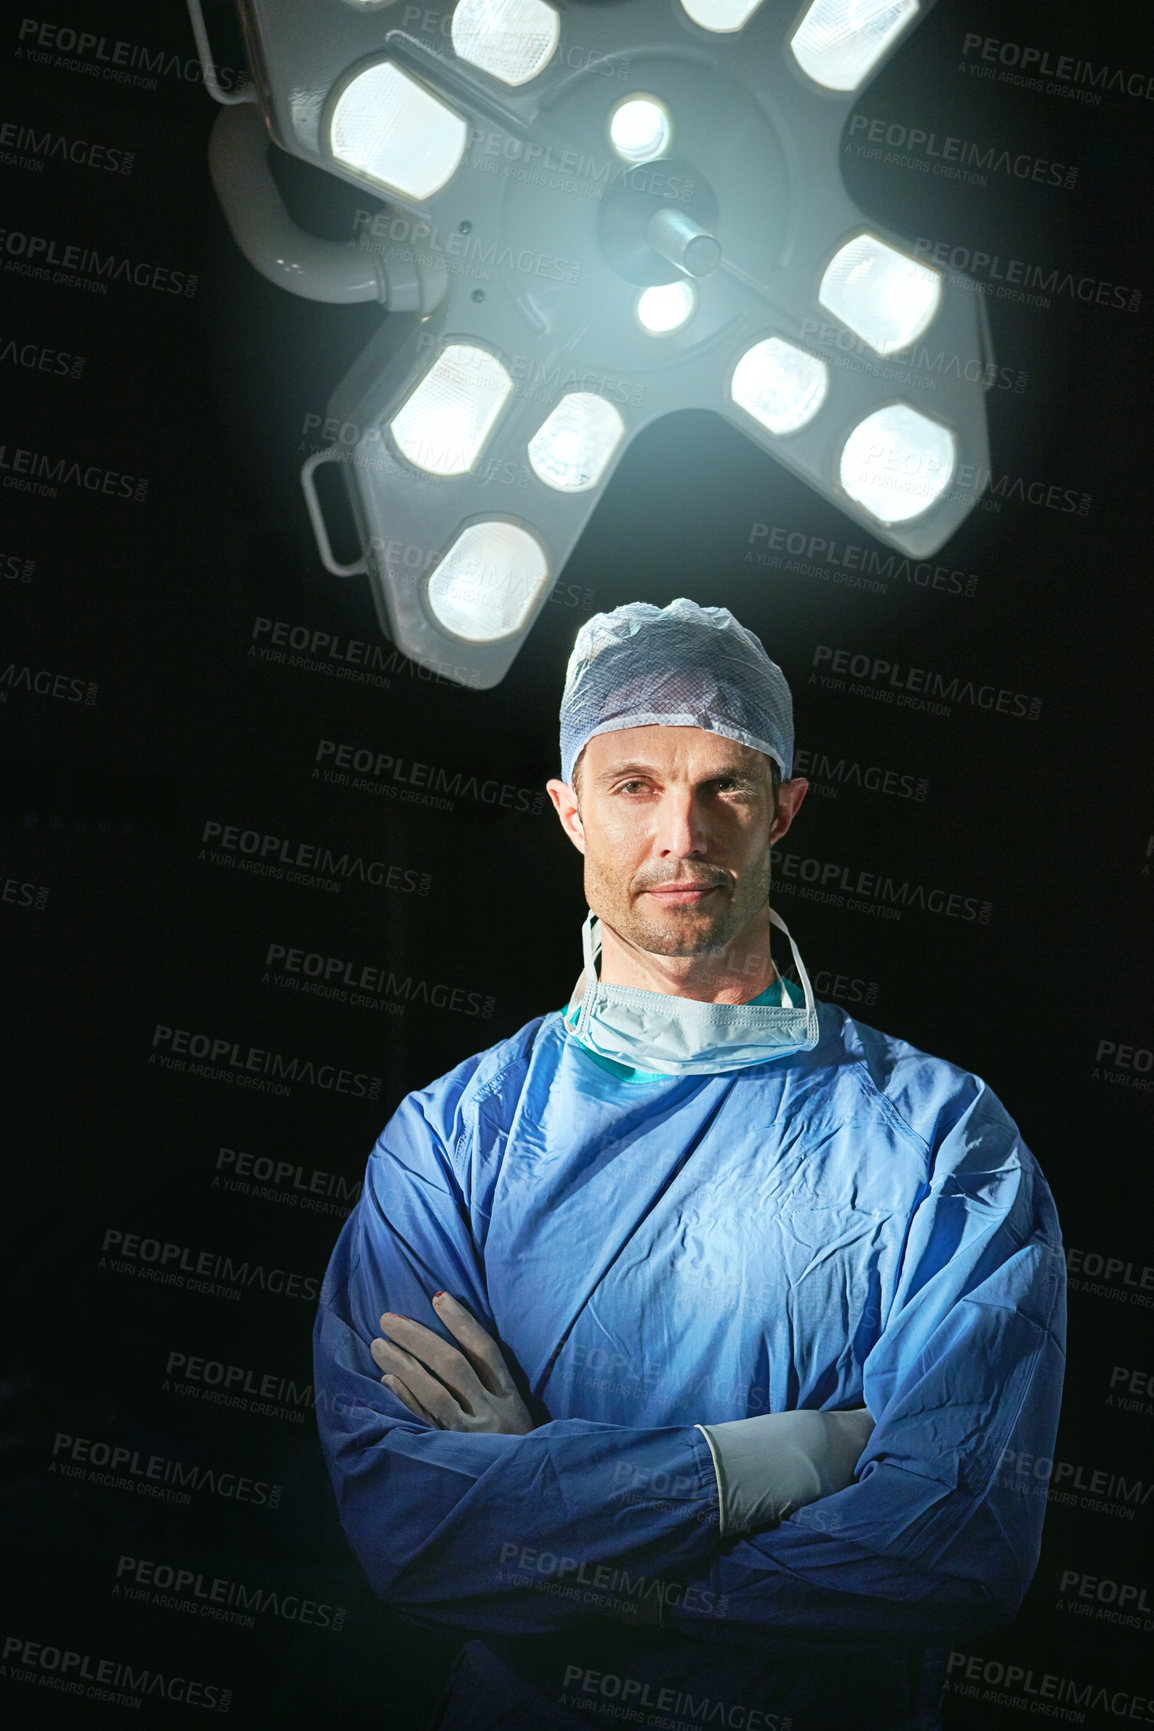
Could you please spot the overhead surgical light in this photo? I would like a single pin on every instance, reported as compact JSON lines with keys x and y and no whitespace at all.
{"x":443,"y":425}
{"x":575,"y":446}
{"x":888,"y":298}
{"x":722,"y":16}
{"x":640,"y":129}
{"x":389,"y":129}
{"x":489,"y":582}
{"x":512,"y":39}
{"x":897,"y":463}
{"x":665,"y":307}
{"x":839,"y":42}
{"x":597,"y":216}
{"x":780,"y":385}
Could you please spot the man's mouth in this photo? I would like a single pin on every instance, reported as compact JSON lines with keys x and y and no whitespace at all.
{"x":681,"y":895}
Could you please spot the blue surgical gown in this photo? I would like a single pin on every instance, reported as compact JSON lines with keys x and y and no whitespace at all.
{"x":860,"y":1223}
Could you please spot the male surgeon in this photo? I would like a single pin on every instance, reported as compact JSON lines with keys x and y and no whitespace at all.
{"x":677,"y":1342}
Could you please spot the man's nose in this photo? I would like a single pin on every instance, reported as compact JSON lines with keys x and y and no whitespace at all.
{"x":680,"y":827}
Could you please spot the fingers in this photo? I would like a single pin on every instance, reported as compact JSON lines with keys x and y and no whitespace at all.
{"x":439,"y":1403}
{"x":437,"y":1355}
{"x":407,"y":1398}
{"x":451,"y":1384}
{"x":483,"y":1352}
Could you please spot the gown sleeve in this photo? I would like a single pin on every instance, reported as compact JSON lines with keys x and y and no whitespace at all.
{"x":940,"y":1534}
{"x":492,"y":1533}
{"x":503,"y":1534}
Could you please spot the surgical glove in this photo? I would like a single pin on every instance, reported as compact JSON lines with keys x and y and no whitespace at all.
{"x":468,"y":1390}
{"x":770,"y":1465}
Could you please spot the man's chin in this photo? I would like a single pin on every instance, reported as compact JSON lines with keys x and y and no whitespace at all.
{"x":680,"y":932}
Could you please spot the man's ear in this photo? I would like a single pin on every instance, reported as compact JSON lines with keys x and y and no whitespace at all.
{"x":789,"y":797}
{"x":565,"y":805}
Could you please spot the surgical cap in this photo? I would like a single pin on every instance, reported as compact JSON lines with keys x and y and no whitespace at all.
{"x":676,"y":666}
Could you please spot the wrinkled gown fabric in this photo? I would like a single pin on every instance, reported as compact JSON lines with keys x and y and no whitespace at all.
{"x":858,"y":1224}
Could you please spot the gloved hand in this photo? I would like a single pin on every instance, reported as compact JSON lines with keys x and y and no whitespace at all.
{"x":467,"y":1390}
{"x":775,"y":1463}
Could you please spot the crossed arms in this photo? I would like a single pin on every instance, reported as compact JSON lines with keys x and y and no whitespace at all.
{"x":452,"y":1525}
{"x":766,"y":1466}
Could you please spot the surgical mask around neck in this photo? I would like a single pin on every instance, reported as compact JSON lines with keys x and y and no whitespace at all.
{"x":683,"y":1036}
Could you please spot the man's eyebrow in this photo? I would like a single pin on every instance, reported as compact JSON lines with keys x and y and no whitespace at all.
{"x":727,"y":772}
{"x":636,"y":767}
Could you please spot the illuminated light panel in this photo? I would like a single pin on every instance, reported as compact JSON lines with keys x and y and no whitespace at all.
{"x":839,"y":42}
{"x":640,"y":129}
{"x":781,"y":386}
{"x":442,"y":427}
{"x":665,"y":307}
{"x":885,"y":297}
{"x":392,"y":131}
{"x":512,"y":39}
{"x":488,"y":582}
{"x":897,"y":463}
{"x":720,"y":15}
{"x":574,"y":446}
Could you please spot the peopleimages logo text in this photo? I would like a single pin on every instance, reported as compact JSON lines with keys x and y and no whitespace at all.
{"x":1063,"y":69}
{"x":452,"y":245}
{"x":137,"y":1470}
{"x":320,"y":651}
{"x":219,"y":1052}
{"x":919,"y":148}
{"x":1017,"y":277}
{"x":372,"y":768}
{"x":217,"y":1596}
{"x":115,"y":59}
{"x":854,"y":557}
{"x":1019,"y":1685}
{"x":366,"y":983}
{"x":38,"y":253}
{"x":23,"y":469}
{"x":237,"y":1385}
{"x":116,"y":1682}
{"x":268,"y":855}
{"x":183,"y":1265}
{"x":826,"y":773}
{"x":35,"y":147}
{"x":889,"y":678}
{"x":45,"y":683}
{"x":872,"y":892}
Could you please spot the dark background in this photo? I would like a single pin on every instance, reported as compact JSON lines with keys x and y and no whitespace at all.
{"x":129,"y":925}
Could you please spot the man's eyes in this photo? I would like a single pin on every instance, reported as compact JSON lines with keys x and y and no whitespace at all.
{"x":723,"y":784}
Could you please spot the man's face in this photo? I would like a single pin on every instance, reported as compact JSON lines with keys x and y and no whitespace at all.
{"x":676,"y":826}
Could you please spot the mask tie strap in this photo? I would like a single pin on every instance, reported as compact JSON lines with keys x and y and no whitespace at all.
{"x":775,"y":919}
{"x":590,"y":945}
{"x":582,"y":995}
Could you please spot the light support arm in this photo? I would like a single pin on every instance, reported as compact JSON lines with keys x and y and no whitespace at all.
{"x":317,"y":270}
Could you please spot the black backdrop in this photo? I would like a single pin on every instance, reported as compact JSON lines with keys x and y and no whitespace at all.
{"x":168,"y":1227}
